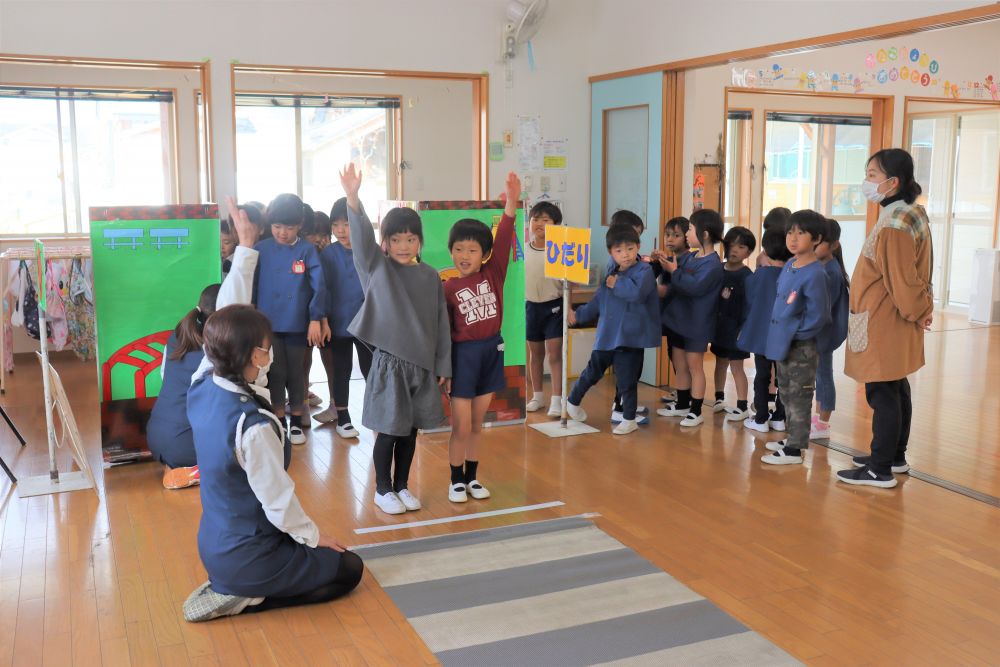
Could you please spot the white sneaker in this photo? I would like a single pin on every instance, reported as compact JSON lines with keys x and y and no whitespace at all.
{"x":625,"y":427}
{"x":777,"y":424}
{"x":575,"y":412}
{"x":774,"y":445}
{"x":347,"y":430}
{"x":314,"y":401}
{"x":692,"y":420}
{"x":781,"y":458}
{"x":410,"y":501}
{"x":752,"y":424}
{"x":326,"y":416}
{"x":669,"y":397}
{"x":478,"y":491}
{"x":819,"y":430}
{"x":717,"y":406}
{"x":457,"y":494}
{"x":736,"y":415}
{"x":641,"y":410}
{"x":390,"y":503}
{"x":616,"y":417}
{"x":533,"y":406}
{"x":555,"y":407}
{"x":296,"y":435}
{"x":671,"y":410}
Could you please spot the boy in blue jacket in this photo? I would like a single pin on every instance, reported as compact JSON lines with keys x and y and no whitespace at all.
{"x":760,"y":290}
{"x":801,"y":311}
{"x":628,"y":305}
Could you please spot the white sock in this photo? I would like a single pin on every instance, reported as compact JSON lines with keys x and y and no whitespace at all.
{"x":538,"y":396}
{"x":556,"y":397}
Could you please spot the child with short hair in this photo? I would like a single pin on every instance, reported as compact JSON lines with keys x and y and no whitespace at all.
{"x":628,"y":305}
{"x":319,"y":232}
{"x":831,"y":256}
{"x":289,"y":287}
{"x":738,"y":243}
{"x":801,"y":311}
{"x":691,"y":312}
{"x":344,"y":299}
{"x":761,"y":288}
{"x":543,"y":311}
{"x":674,"y":245}
{"x":632,"y":219}
{"x":475,"y":310}
{"x":227,"y":244}
{"x":405,"y":318}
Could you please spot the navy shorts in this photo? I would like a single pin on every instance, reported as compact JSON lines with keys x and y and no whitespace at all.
{"x":543,"y":321}
{"x":679,"y":342}
{"x":731,"y":353}
{"x":477,"y":367}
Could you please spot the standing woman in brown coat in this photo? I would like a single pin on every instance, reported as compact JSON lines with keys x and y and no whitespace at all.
{"x":891,"y":305}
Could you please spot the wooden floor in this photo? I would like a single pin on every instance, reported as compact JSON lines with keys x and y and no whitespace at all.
{"x":833,"y":574}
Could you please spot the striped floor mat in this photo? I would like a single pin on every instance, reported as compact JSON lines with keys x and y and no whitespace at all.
{"x":560,"y":592}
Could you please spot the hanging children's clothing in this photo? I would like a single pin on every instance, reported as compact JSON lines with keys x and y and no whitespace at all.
{"x":80,"y":311}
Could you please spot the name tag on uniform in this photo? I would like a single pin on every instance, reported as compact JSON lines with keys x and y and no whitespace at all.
{"x":298,"y":266}
{"x":791,"y":297}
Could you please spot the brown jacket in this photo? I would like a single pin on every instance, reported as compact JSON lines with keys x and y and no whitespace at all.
{"x":890,"y":296}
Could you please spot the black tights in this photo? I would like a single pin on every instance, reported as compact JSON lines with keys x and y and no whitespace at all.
{"x":389,"y":448}
{"x":346,"y":580}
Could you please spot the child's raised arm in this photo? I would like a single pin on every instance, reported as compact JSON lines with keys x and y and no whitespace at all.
{"x":367,"y":253}
{"x":500,"y":257}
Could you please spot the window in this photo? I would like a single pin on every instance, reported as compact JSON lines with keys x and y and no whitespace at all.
{"x":736,"y":200}
{"x":295,"y":143}
{"x":65,"y":150}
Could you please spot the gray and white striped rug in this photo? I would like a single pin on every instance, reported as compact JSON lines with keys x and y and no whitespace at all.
{"x":560,"y":592}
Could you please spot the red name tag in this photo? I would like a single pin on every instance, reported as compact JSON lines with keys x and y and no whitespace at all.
{"x":791,"y":297}
{"x":298,"y":266}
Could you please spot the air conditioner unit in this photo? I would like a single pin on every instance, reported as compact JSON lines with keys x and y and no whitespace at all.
{"x":984,"y":300}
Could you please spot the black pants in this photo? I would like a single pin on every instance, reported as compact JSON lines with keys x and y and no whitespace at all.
{"x":892,"y":410}
{"x":346,"y":579}
{"x":617,"y":407}
{"x":343,"y":365}
{"x":761,"y":385}
{"x":389,"y":450}
{"x":288,"y":372}
{"x":627,"y":362}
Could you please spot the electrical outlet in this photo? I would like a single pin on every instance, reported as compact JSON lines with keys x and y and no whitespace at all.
{"x":545,"y":183}
{"x":527,"y":183}
{"x":561,"y":182}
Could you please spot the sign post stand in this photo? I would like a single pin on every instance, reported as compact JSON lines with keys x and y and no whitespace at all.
{"x":567,"y":257}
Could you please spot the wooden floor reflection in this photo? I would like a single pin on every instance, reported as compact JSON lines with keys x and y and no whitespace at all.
{"x":833,"y":574}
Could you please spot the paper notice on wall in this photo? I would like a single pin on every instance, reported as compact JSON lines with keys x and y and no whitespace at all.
{"x":529,"y":157}
{"x":528,"y":132}
{"x":554,"y":154}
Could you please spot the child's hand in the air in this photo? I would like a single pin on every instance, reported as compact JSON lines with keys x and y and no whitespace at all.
{"x":246,"y":231}
{"x":350,"y":180}
{"x":511,"y":194}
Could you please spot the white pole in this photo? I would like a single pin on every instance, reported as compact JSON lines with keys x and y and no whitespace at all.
{"x":44,"y":342}
{"x":565,"y":347}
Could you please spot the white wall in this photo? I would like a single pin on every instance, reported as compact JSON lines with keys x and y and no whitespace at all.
{"x":441,"y":35}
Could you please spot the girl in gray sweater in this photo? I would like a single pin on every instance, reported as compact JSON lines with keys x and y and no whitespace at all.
{"x":405,"y":318}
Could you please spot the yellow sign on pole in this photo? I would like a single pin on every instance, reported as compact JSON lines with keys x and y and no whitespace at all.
{"x":567,"y":253}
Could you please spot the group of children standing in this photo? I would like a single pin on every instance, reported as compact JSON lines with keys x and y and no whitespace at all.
{"x":790,"y":314}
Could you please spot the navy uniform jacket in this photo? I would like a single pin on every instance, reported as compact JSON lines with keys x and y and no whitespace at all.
{"x":732,"y":307}
{"x":168,"y":432}
{"x":343,"y":287}
{"x":801,"y":308}
{"x":628,"y":313}
{"x":760,"y":290}
{"x":835,"y":333}
{"x":694,"y":296}
{"x":289,"y":286}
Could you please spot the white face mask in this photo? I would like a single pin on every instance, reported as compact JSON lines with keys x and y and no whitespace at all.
{"x":261,"y":379}
{"x":870,"y":190}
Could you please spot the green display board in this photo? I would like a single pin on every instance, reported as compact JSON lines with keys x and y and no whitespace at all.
{"x":150,"y":267}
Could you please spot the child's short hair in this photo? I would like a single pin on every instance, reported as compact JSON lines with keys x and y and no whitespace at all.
{"x":225,"y":227}
{"x":706,"y":221}
{"x":339,"y":210}
{"x":253,"y":215}
{"x":321,"y":225}
{"x":777,"y":218}
{"x":812,"y":223}
{"x":621,"y":233}
{"x":739,"y":236}
{"x":624,"y":216}
{"x":401,"y":220}
{"x":285,"y":209}
{"x":468,"y":229}
{"x":773,"y":245}
{"x":679,"y":223}
{"x":308,"y":221}
{"x":546,"y":208}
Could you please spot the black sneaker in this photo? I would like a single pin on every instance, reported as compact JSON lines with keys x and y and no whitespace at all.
{"x":898,"y":467}
{"x":865,"y":476}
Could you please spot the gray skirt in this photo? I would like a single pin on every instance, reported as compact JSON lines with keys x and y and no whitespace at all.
{"x":400,"y":396}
